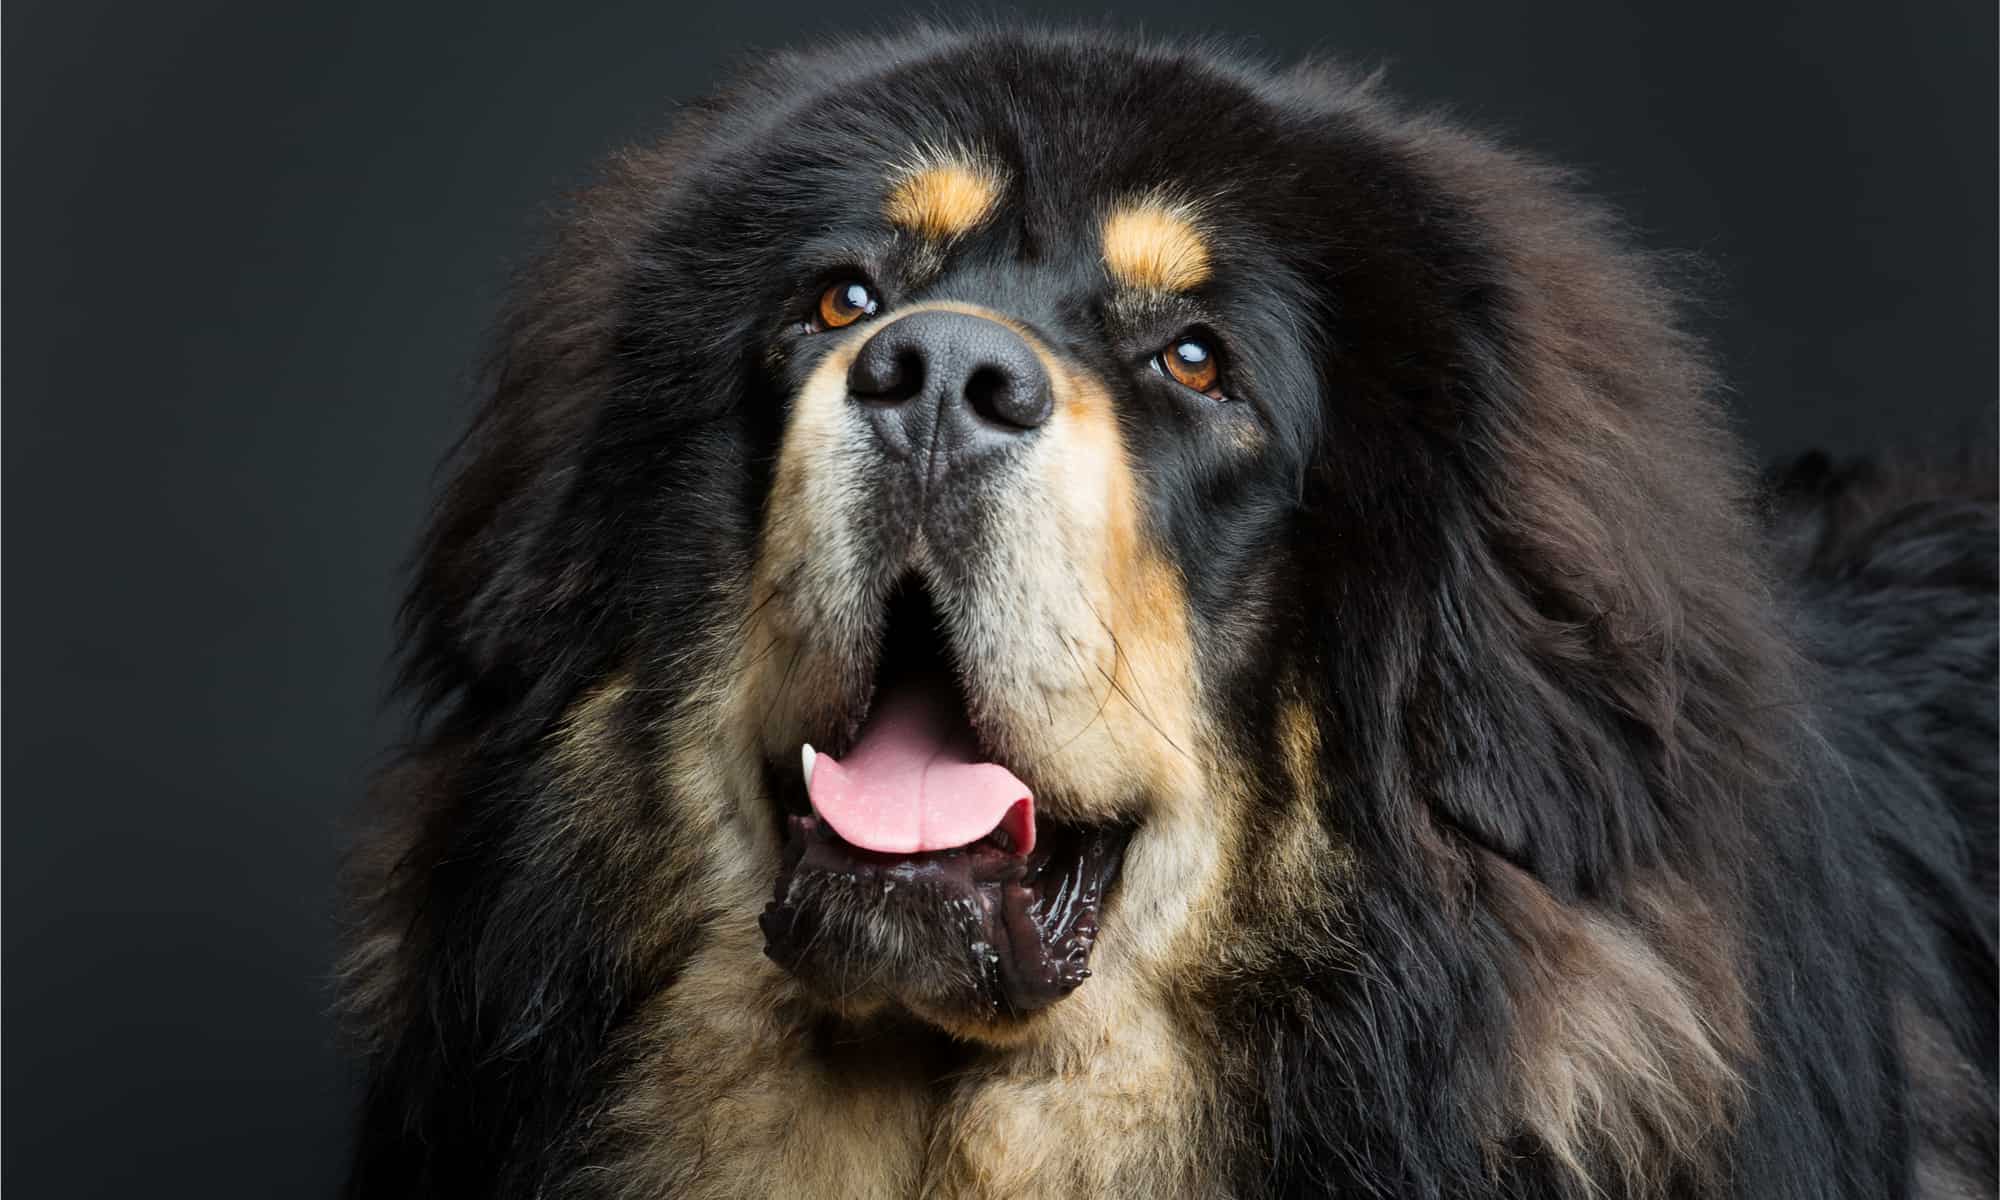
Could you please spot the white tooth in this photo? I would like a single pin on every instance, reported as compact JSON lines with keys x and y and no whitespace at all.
{"x":806,"y":757}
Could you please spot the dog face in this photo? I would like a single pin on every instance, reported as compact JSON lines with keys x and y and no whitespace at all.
{"x":1023,"y":412}
{"x":1021,"y":432}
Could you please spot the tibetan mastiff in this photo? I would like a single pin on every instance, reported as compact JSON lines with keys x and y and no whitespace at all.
{"x":1047,"y":615}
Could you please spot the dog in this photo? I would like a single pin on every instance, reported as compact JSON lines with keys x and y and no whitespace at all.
{"x":1049,"y":614}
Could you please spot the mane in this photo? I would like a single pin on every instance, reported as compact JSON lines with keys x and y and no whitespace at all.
{"x":1566,"y":867}
{"x":1565,"y":745}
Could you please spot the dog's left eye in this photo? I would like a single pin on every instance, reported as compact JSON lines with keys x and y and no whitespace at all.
{"x":843,"y":304}
{"x":1191,"y":362}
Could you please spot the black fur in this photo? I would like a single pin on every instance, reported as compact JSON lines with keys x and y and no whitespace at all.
{"x":1495,"y":542}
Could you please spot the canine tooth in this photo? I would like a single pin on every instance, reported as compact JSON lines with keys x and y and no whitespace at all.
{"x":806,"y":758}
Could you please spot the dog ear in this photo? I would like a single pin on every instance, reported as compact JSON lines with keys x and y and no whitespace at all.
{"x":509,"y":573}
{"x":1631,"y":657}
{"x":1525,"y":475}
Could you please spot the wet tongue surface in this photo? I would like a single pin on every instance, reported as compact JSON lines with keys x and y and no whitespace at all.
{"x":913,"y":784}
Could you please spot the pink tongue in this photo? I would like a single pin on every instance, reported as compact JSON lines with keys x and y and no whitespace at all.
{"x":911,"y":785}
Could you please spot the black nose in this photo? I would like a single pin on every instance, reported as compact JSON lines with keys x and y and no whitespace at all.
{"x":945,"y":389}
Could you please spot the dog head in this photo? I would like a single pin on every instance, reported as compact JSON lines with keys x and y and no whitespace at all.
{"x":1032,"y":511}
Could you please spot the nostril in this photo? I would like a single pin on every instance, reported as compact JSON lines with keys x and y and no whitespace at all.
{"x":986,"y":391}
{"x":996,"y":394}
{"x":887,"y":373}
{"x":907,"y":379}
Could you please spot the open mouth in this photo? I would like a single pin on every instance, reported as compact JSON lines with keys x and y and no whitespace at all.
{"x":913,"y":826}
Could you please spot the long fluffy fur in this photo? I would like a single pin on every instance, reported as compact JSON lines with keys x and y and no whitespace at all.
{"x":1623,"y":826}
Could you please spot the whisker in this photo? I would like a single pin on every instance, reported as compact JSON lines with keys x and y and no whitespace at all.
{"x":784,"y":687}
{"x":1083,"y":677}
{"x":1118,"y":653}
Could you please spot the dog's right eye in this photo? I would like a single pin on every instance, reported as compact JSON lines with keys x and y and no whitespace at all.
{"x":843,"y":304}
{"x":1191,"y":362}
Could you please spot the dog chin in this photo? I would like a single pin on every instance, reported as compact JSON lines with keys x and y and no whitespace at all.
{"x":969,"y":938}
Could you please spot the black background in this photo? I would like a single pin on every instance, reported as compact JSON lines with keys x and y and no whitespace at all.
{"x":250,"y":250}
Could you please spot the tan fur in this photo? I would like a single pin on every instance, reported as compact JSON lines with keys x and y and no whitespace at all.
{"x":730,"y":1097}
{"x":944,"y":197}
{"x":1628,"y":1035}
{"x":725,"y":1098}
{"x":1298,"y":747}
{"x":586,"y":747}
{"x":1153,"y":245}
{"x":1299,"y":858}
{"x":1119,"y":1113}
{"x":800,"y":586}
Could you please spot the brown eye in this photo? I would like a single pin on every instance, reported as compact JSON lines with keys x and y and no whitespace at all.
{"x":1190,"y":363}
{"x":845,"y":303}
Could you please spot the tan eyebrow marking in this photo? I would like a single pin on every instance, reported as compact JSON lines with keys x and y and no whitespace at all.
{"x":1155,"y":245}
{"x":943,"y":198}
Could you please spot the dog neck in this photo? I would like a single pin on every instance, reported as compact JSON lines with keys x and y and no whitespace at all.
{"x":741,"y":1090}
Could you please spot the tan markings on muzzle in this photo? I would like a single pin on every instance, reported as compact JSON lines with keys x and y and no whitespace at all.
{"x":1146,"y":661}
{"x":801,"y":578}
{"x":808,"y":561}
{"x":1155,"y":245}
{"x":1077,"y":622}
{"x":943,"y":196}
{"x":1143,"y":729}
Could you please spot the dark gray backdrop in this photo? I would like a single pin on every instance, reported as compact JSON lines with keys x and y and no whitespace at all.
{"x":250,"y":248}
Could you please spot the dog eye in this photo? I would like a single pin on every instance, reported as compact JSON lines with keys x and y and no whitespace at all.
{"x":1191,"y":363}
{"x":844,"y":303}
